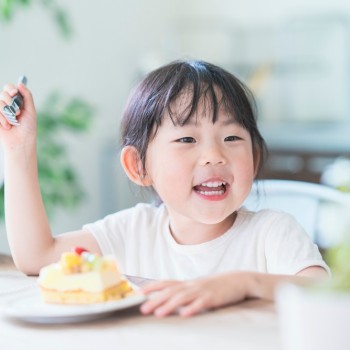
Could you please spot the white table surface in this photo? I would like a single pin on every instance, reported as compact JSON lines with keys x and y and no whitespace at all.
{"x":249,"y":325}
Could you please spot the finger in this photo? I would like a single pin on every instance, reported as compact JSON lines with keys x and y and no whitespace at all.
{"x":170,"y":300}
{"x":156,"y":286}
{"x":160,"y":296}
{"x":155,"y":301}
{"x":6,"y":97}
{"x":8,"y":117}
{"x":178,"y":300}
{"x":3,"y":121}
{"x":197,"y":306}
{"x":11,"y":89}
{"x":28,"y":104}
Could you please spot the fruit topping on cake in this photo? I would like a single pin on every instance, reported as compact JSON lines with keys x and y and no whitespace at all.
{"x":82,"y":277}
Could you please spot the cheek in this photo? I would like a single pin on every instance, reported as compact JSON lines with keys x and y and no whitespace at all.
{"x":170,"y":176}
{"x":246,"y":168}
{"x":173,"y":170}
{"x":162,"y":167}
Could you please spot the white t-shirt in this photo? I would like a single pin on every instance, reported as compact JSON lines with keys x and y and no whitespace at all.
{"x":266,"y":241}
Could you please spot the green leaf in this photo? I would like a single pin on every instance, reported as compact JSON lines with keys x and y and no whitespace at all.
{"x":338,"y":258}
{"x":77,"y":115}
{"x":24,"y":2}
{"x":59,"y":15}
{"x":6,"y":8}
{"x":63,"y":23}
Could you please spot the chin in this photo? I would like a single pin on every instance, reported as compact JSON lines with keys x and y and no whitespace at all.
{"x":212,"y":219}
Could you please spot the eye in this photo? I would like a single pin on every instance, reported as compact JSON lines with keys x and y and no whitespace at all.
{"x":232,"y":138}
{"x":186,"y":140}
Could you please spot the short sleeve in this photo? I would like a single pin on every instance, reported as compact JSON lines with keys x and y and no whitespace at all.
{"x":130,"y":235}
{"x":289,"y":249}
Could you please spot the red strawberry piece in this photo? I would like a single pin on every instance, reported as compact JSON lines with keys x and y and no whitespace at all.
{"x":80,"y":250}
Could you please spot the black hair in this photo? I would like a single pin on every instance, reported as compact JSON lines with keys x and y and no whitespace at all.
{"x":154,"y":95}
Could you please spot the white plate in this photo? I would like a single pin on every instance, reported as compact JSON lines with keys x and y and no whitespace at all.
{"x":30,"y":307}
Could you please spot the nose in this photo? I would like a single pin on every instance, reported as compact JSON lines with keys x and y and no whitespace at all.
{"x":212,"y":154}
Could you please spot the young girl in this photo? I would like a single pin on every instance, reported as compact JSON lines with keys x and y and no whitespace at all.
{"x":189,"y":133}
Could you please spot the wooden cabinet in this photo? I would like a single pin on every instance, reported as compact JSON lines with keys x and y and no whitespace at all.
{"x":297,"y":164}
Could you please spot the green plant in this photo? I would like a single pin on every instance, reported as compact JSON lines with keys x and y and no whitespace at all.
{"x":59,"y":184}
{"x":9,"y":7}
{"x":58,"y":181}
{"x":338,"y":258}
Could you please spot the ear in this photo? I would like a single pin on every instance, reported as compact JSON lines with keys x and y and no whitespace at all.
{"x":132,"y":165}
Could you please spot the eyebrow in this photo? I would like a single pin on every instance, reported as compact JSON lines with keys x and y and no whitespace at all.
{"x":226,"y":122}
{"x":230,"y":121}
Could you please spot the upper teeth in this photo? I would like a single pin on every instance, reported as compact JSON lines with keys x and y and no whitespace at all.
{"x":213,"y":184}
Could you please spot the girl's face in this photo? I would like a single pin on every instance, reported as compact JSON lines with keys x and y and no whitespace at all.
{"x":202,"y":171}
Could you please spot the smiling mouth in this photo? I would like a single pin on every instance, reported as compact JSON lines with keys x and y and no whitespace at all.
{"x":212,"y":188}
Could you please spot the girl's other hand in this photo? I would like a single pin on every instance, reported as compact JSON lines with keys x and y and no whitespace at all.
{"x":192,"y":297}
{"x":13,"y":136}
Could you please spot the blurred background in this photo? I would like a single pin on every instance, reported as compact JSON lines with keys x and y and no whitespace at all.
{"x":83,"y":58}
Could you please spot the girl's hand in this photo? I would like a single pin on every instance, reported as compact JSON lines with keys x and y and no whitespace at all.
{"x":14,"y":136}
{"x":192,"y":297}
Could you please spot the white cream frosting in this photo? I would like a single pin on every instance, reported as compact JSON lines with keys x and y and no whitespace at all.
{"x":94,"y":281}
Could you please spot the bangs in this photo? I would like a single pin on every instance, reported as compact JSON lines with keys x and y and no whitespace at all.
{"x":188,"y":86}
{"x":207,"y":98}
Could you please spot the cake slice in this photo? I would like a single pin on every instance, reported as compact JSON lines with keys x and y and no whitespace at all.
{"x":82,"y":277}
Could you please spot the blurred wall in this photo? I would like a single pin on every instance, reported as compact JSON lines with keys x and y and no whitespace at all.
{"x":112,"y":45}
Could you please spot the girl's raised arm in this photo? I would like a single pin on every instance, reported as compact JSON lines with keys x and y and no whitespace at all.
{"x":27,"y":225}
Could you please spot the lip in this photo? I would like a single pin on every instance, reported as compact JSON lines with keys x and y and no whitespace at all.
{"x":213,"y":179}
{"x":213,"y":197}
